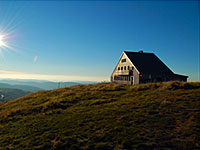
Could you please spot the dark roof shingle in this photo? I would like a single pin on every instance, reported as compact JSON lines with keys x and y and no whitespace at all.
{"x":148,"y":63}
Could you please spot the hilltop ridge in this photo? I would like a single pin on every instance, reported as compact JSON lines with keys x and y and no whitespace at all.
{"x":104,"y":116}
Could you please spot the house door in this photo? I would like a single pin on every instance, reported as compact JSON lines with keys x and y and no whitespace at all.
{"x":132,"y":80}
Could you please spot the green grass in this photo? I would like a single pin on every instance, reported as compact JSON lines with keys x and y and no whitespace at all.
{"x":103,"y":117}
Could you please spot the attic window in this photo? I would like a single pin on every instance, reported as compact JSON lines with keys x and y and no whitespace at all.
{"x":123,"y":60}
{"x":121,"y":68}
{"x":118,"y":68}
{"x":132,"y":68}
{"x":124,"y":67}
{"x":128,"y":68}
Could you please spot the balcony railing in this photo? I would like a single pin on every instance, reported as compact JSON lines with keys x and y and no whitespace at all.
{"x":124,"y":72}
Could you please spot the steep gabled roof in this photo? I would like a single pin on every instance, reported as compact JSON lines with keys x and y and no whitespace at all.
{"x":148,"y":63}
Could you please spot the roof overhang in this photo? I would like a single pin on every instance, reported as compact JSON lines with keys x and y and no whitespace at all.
{"x":180,"y":75}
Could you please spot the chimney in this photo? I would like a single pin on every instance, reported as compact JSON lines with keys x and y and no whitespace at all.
{"x":140,"y":52}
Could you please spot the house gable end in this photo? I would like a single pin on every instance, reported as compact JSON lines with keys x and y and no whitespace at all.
{"x":127,"y":63}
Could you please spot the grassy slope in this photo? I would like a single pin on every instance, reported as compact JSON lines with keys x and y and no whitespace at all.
{"x":104,"y":116}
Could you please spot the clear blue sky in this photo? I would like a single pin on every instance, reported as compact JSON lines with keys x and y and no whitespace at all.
{"x":84,"y":40}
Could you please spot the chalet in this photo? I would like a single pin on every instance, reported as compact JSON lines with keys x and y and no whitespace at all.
{"x":139,"y":67}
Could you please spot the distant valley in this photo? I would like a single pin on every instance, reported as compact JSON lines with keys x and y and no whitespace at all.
{"x":37,"y":85}
{"x":15,"y":88}
{"x":9,"y":94}
{"x":20,"y":87}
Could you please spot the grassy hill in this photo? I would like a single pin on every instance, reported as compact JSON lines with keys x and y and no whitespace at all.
{"x":104,"y":116}
{"x":8,"y":94}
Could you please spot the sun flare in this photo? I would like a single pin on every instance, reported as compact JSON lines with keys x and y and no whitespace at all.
{"x":6,"y":42}
{"x":1,"y":41}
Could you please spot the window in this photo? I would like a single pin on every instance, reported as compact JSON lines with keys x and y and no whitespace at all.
{"x":118,"y":68}
{"x":149,"y":76}
{"x":132,"y":68}
{"x":124,"y":67}
{"x":123,"y":60}
{"x":128,"y":67}
{"x":121,"y":68}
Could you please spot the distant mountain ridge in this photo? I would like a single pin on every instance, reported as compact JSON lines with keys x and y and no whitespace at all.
{"x":41,"y":84}
{"x":9,"y":94}
{"x":21,"y":87}
{"x":15,"y":88}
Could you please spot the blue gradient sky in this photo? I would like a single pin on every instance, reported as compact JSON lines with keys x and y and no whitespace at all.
{"x":84,"y":40}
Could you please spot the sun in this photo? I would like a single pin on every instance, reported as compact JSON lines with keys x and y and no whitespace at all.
{"x":1,"y":41}
{"x":5,"y":43}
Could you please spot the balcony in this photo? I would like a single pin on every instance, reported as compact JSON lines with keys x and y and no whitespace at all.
{"x":123,"y":72}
